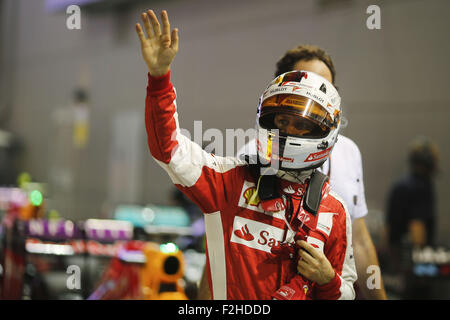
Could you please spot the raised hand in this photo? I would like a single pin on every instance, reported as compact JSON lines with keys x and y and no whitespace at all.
{"x":158,"y":48}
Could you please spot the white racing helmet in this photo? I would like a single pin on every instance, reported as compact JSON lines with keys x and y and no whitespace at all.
{"x":313,"y":102}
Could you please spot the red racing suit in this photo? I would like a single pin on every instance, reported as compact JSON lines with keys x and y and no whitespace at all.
{"x":239,"y":234}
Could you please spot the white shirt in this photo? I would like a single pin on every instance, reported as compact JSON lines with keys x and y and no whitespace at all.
{"x":346,"y":174}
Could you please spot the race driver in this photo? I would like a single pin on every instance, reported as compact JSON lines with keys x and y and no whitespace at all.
{"x":263,"y":239}
{"x":344,"y":167}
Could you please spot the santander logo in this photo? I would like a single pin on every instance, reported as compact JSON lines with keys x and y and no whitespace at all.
{"x":255,"y":234}
{"x":243,"y":233}
{"x":318,"y":155}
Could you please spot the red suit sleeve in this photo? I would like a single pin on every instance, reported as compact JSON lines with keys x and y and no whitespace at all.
{"x":202,"y":176}
{"x":339,"y":252}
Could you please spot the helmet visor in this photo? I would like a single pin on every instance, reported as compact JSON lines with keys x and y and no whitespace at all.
{"x":288,"y":112}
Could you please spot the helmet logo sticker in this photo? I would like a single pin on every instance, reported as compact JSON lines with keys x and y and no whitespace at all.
{"x":293,"y":77}
{"x":276,"y":157}
{"x":318,"y":155}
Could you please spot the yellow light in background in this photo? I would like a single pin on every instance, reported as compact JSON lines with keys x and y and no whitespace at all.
{"x":53,"y":215}
{"x":23,"y":179}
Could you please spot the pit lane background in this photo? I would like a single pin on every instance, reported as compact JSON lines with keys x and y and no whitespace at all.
{"x":394,"y":84}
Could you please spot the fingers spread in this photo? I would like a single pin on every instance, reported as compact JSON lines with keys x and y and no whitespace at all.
{"x":165,"y":22}
{"x":147,"y":26}
{"x":155,"y":23}
{"x":164,"y":37}
{"x":140,"y":33}
{"x":174,"y":44}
